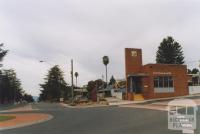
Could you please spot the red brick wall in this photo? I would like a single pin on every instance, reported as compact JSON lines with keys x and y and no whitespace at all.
{"x":133,"y":60}
{"x":179,"y":73}
{"x":133,"y":64}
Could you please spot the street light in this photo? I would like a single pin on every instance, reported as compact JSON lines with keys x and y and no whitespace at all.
{"x":42,"y":61}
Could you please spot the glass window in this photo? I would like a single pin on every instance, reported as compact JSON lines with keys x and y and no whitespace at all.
{"x":156,"y":80}
{"x":160,"y":81}
{"x":166,"y":81}
{"x":163,"y":81}
{"x":171,"y":83}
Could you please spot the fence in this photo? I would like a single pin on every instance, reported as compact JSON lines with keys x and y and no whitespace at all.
{"x":194,"y":90}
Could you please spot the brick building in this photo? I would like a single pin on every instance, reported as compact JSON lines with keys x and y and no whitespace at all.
{"x":153,"y":80}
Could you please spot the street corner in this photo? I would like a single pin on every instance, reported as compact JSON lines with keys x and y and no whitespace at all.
{"x":24,"y":119}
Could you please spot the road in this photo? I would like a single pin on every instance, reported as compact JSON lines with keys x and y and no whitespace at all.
{"x":101,"y":120}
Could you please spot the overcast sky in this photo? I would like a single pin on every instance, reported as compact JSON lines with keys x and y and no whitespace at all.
{"x":86,"y":30}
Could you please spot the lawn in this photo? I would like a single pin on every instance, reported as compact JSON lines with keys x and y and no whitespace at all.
{"x":5,"y":118}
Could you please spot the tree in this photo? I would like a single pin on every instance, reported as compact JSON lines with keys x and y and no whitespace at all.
{"x":106,"y":62}
{"x":10,"y":87}
{"x":112,"y":80}
{"x":189,"y":71}
{"x":194,"y":71}
{"x":169,"y":52}
{"x":28,"y":98}
{"x":2,"y":53}
{"x":54,"y":86}
{"x":90,"y":87}
{"x":95,"y":85}
{"x":100,"y":84}
{"x":76,"y":75}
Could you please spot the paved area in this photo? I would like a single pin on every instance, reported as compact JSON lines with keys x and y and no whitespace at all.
{"x":10,"y":106}
{"x":158,"y":105}
{"x":99,"y":120}
{"x":112,"y":101}
{"x":83,"y":106}
{"x":147,"y":106}
{"x":23,"y":108}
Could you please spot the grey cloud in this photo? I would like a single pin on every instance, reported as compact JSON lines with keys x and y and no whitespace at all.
{"x":87,"y":30}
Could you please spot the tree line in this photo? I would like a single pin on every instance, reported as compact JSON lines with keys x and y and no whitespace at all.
{"x":11,"y":90}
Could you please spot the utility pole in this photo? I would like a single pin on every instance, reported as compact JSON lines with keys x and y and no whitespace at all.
{"x":199,"y":74}
{"x":72,"y":79}
{"x":102,"y":77}
{"x":1,"y":75}
{"x":106,"y":76}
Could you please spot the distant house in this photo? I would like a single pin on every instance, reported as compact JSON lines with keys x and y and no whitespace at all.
{"x":194,"y":79}
{"x":194,"y":83}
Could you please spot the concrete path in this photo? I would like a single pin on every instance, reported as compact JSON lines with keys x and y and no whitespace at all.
{"x":25,"y":108}
{"x":112,"y":101}
{"x":159,"y":105}
{"x":147,"y":106}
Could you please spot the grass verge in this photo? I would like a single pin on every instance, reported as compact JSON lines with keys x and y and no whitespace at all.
{"x":6,"y":118}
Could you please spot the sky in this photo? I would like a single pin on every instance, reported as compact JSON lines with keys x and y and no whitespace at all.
{"x":57,"y":31}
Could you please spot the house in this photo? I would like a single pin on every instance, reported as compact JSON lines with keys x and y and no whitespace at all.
{"x":194,"y":79}
{"x":153,"y":81}
{"x":194,"y":83}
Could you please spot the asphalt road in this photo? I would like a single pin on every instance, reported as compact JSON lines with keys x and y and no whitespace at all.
{"x":102,"y":120}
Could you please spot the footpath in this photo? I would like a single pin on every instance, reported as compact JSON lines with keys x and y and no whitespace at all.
{"x":161,"y":105}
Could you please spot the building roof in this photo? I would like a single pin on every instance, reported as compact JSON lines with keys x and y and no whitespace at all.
{"x":138,"y":75}
{"x":154,"y":64}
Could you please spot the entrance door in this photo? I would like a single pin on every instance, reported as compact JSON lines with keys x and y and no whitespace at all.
{"x":136,"y":85}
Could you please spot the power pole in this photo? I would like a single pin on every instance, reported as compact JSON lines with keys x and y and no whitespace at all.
{"x":102,"y":76}
{"x":72,"y":78}
{"x":199,"y":73}
{"x":106,"y":75}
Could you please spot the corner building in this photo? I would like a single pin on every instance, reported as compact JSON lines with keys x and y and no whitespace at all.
{"x":153,"y":81}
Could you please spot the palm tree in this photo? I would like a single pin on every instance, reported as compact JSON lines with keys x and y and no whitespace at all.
{"x":76,"y":75}
{"x":106,"y":62}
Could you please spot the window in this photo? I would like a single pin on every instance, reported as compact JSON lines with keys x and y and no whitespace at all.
{"x":163,"y":82}
{"x":156,"y":80}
